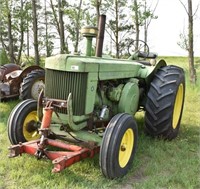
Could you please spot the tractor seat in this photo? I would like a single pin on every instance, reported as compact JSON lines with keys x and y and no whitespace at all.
{"x":143,"y":55}
{"x":147,"y":55}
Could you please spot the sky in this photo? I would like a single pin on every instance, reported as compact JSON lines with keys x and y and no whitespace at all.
{"x":172,"y":20}
{"x":164,"y":32}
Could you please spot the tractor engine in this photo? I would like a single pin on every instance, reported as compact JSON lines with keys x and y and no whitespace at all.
{"x":5,"y":89}
{"x":91,"y":99}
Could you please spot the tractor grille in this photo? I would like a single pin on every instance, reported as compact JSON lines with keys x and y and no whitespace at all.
{"x":58,"y":85}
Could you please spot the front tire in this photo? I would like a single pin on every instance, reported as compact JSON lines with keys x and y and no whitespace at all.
{"x":23,"y":122}
{"x":165,"y":100}
{"x":118,"y":146}
{"x":32,"y":85}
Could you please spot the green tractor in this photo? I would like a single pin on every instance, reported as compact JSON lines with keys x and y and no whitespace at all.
{"x":88,"y":107}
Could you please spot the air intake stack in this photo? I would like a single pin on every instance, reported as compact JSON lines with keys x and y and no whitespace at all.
{"x":89,"y":32}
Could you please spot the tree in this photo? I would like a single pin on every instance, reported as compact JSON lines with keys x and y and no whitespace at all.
{"x":3,"y":57}
{"x":148,"y":15}
{"x":121,"y":29}
{"x":189,"y":41}
{"x":59,"y":23}
{"x":136,"y":7}
{"x":28,"y":21}
{"x":61,"y":26}
{"x":48,"y":36}
{"x":10,"y":36}
{"x":142,"y":17}
{"x":97,"y":5}
{"x":35,"y":32}
{"x":3,"y":26}
{"x":20,"y":26}
{"x":20,"y":23}
{"x":13,"y":41}
{"x":78,"y":26}
{"x":75,"y":14}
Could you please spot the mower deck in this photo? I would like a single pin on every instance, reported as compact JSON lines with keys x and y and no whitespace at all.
{"x":69,"y":155}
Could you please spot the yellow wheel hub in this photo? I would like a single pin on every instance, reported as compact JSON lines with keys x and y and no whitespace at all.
{"x":30,"y":131}
{"x":178,"y":106}
{"x":126,"y":147}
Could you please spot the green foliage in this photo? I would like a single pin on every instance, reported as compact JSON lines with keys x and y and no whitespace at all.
{"x":119,"y":30}
{"x":144,"y":12}
{"x":78,"y":16}
{"x":183,"y":42}
{"x":74,"y":17}
{"x":3,"y":57}
{"x":158,"y":163}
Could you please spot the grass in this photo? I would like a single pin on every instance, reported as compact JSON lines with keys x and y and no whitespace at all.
{"x":158,"y":164}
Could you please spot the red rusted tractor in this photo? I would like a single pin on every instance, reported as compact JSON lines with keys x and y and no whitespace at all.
{"x":16,"y":82}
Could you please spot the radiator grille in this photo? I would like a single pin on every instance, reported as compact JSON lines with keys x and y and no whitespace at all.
{"x":58,"y":85}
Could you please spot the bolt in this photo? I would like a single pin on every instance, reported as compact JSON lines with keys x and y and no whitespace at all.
{"x":123,"y":148}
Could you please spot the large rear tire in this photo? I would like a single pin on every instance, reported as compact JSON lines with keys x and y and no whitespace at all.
{"x":32,"y":85}
{"x":165,"y":100}
{"x":118,"y":146}
{"x":23,"y":122}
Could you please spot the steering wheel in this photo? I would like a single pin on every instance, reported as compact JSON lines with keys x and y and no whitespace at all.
{"x":141,"y":52}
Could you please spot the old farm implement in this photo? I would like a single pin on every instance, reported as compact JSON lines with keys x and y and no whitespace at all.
{"x":88,"y":107}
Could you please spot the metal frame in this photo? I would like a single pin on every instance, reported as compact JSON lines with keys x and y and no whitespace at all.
{"x":61,"y":159}
{"x":69,"y":155}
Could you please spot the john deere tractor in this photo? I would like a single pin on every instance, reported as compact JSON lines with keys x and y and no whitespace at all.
{"x":88,"y":107}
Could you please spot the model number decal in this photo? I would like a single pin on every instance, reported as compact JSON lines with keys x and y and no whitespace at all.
{"x":74,"y":67}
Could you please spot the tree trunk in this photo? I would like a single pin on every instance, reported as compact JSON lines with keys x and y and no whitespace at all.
{"x":21,"y":32}
{"x":10,"y":37}
{"x":61,"y":26}
{"x":192,"y":70}
{"x":46,"y":30}
{"x":137,"y":25}
{"x":78,"y":26}
{"x":145,"y":27}
{"x":98,"y":4}
{"x":27,"y":36}
{"x":35,"y":32}
{"x":117,"y":28}
{"x":55,"y":17}
{"x":148,"y":19}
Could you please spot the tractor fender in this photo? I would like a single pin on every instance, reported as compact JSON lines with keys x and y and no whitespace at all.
{"x":7,"y":68}
{"x":150,"y":76}
{"x":148,"y":72}
{"x":29,"y":69}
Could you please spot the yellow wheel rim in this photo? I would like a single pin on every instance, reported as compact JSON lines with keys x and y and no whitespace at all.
{"x":178,"y":106}
{"x":29,"y":128}
{"x":126,"y":147}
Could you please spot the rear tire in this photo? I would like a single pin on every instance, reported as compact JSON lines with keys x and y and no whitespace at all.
{"x":118,"y":146}
{"x":32,"y":85}
{"x":23,"y":122}
{"x":165,"y":101}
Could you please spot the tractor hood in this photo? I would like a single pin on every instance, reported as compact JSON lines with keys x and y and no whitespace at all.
{"x":107,"y":68}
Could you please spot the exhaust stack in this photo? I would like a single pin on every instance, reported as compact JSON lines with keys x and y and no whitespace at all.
{"x":100,"y":37}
